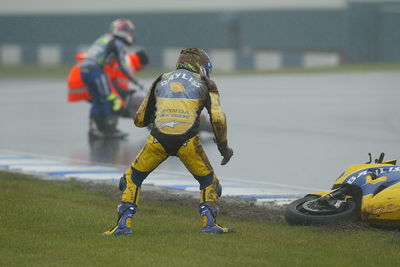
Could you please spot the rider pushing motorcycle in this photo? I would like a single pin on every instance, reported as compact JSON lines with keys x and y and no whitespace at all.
{"x":173,"y":104}
{"x":131,"y":96}
{"x":109,"y":47}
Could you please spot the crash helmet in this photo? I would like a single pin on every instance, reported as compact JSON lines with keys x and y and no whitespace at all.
{"x":124,"y":29}
{"x":196,"y":60}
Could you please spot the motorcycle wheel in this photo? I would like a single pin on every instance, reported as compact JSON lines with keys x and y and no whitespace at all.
{"x":295,"y":214}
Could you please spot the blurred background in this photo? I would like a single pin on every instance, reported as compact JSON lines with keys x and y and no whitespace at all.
{"x":300,"y":128}
{"x":239,"y":35}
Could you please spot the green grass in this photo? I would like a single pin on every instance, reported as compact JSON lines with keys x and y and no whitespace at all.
{"x":61,"y":72}
{"x":44,"y":223}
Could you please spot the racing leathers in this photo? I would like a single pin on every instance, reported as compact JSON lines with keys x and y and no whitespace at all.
{"x":173,"y":105}
{"x":104,"y":50}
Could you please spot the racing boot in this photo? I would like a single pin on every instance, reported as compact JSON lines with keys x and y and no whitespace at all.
{"x":117,"y":134}
{"x":126,"y":211}
{"x":208,"y":212}
{"x":94,"y":129}
{"x":111,"y":128}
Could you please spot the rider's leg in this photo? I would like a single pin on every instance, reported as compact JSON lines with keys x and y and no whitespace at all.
{"x":103,"y":120}
{"x":196,"y":161}
{"x":96,"y":117}
{"x":112,"y":131}
{"x":110,"y":116}
{"x":151,"y":155}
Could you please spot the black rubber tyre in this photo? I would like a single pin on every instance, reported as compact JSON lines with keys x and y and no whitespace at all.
{"x":295,"y":213}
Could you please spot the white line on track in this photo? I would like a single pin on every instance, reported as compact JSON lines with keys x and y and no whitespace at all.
{"x":60,"y":168}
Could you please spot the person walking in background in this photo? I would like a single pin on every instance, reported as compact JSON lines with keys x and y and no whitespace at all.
{"x":173,"y":106}
{"x":107,"y":48}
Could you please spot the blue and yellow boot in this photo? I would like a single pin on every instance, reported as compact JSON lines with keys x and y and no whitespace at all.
{"x":208,"y":212}
{"x":126,"y":211}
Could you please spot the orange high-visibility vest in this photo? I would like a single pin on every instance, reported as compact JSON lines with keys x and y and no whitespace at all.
{"x":76,"y":87}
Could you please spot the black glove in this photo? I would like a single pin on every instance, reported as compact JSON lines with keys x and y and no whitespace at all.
{"x":226,"y":152}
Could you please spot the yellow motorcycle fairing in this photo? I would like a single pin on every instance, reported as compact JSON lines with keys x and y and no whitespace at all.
{"x":383,"y":208}
{"x":358,"y":167}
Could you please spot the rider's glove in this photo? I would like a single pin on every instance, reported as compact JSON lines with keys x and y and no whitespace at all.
{"x":116,"y":102}
{"x":226,"y":152}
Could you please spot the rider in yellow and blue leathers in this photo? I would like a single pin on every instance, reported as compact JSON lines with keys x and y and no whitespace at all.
{"x":173,"y":104}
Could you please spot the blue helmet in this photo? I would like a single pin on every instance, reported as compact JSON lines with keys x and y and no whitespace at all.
{"x":206,"y":68}
{"x":196,"y":60}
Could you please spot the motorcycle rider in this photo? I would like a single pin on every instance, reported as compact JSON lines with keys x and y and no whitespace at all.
{"x":109,"y":47}
{"x":173,"y":104}
{"x":131,"y":96}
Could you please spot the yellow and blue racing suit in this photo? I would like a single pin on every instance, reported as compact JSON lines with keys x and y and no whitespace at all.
{"x":173,"y":104}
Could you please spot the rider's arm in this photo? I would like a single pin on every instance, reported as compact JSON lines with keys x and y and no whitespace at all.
{"x":145,"y":113}
{"x":120,"y":53}
{"x":121,"y":91}
{"x":217,"y":116}
{"x":218,"y":121}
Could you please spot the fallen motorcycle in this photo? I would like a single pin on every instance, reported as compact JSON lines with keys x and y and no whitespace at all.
{"x":369,"y":192}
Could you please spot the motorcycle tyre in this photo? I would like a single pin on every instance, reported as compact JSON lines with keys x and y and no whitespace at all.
{"x":294,"y":217}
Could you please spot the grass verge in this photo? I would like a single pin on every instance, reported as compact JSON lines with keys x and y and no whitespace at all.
{"x":45,"y":223}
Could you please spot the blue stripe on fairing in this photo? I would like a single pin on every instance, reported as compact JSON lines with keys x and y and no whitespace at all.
{"x":61,"y":173}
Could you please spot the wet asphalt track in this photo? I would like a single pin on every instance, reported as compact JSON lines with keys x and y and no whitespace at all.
{"x":295,"y":130}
